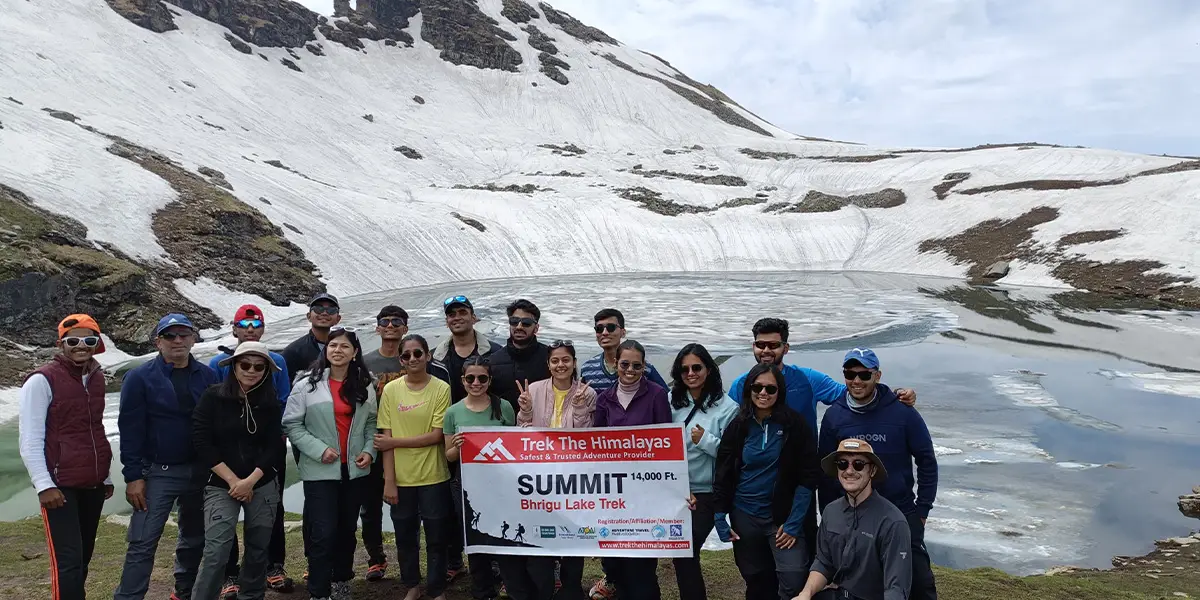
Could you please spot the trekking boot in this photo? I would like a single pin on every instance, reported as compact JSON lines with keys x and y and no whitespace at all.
{"x":377,"y":571}
{"x":603,"y":590}
{"x":278,"y":580}
{"x":231,"y":588}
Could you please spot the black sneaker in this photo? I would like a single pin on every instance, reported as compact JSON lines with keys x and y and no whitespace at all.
{"x":230,"y":589}
{"x":278,"y":580}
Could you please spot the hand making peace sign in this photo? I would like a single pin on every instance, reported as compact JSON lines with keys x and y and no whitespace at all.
{"x":525,"y":401}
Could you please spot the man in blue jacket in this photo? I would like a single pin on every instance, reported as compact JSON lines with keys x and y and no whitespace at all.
{"x":155,"y":422}
{"x":249,"y":325}
{"x":870,"y":411}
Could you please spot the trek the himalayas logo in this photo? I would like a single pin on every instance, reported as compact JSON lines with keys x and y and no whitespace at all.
{"x":495,"y":452}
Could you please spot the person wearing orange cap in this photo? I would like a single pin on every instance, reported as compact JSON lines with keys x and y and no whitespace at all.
{"x":249,"y":325}
{"x":65,"y":450}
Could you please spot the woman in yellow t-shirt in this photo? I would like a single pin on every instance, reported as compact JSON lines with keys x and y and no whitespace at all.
{"x":416,"y":477}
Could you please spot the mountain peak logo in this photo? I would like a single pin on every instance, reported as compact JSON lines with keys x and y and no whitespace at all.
{"x":494,"y":451}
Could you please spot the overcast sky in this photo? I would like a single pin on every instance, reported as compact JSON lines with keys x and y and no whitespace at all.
{"x":1108,"y":73}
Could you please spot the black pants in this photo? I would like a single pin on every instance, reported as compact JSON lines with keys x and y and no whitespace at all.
{"x":277,"y":551}
{"x":372,"y":515}
{"x":427,"y":505}
{"x":636,"y":578}
{"x":527,"y":577}
{"x":71,"y":538}
{"x":456,"y":539}
{"x":331,"y":507}
{"x":483,"y":580}
{"x":687,"y":570}
{"x":923,"y":586}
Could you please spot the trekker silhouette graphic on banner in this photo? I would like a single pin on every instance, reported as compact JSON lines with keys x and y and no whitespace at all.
{"x":520,"y":533}
{"x":504,"y":531}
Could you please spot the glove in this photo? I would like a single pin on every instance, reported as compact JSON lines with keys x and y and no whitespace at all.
{"x":721,"y":520}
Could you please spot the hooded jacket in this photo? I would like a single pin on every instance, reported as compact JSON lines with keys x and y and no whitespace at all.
{"x":702,"y":457}
{"x":155,"y":425}
{"x":310,"y":424}
{"x":483,"y":347}
{"x":511,"y":364}
{"x":899,"y":437}
{"x":541,"y":407}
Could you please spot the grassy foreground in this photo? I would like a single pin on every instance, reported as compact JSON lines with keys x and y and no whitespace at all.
{"x":1170,"y":572}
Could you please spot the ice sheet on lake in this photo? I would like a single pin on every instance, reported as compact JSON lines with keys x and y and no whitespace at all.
{"x":1178,"y":384}
{"x":1025,"y":388}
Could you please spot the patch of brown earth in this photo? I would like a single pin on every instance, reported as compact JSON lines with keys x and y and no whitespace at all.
{"x":737,"y":202}
{"x":815,"y":201}
{"x":726,"y":180}
{"x":1075,"y":184}
{"x":993,"y":240}
{"x":1087,"y":237}
{"x":1017,"y":145}
{"x":654,"y":202}
{"x":948,"y":182}
{"x":854,"y":158}
{"x":767,"y":155}
{"x":574,"y":28}
{"x":149,"y":14}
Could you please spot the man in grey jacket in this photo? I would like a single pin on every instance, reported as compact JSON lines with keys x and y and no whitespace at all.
{"x":863,"y":545}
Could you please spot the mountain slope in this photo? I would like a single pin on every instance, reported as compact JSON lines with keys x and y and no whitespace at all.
{"x":356,"y":136}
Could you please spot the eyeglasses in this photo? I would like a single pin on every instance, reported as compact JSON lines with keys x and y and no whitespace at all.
{"x":523,"y":322}
{"x":391,"y":322}
{"x":171,"y":336}
{"x":758,"y":388}
{"x":249,"y":366}
{"x":630,"y":366}
{"x":455,"y":300}
{"x":90,"y":341}
{"x":562,"y":344}
{"x":863,"y":375}
{"x":768,"y":345}
{"x":843,"y":464}
{"x":609,"y":327}
{"x":695,"y":368}
{"x":325,"y":310}
{"x":414,"y":355}
{"x":473,"y":378}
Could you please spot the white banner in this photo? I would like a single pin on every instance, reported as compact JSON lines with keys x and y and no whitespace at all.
{"x":618,"y":491}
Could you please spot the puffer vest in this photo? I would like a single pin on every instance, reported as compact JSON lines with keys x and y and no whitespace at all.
{"x":77,"y":452}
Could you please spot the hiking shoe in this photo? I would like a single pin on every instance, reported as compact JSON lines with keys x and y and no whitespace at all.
{"x":603,"y":590}
{"x":278,"y":580}
{"x":452,"y":574}
{"x":340,"y":590}
{"x":376,"y":572}
{"x":230,"y":591}
{"x":503,"y":591}
{"x":176,"y":596}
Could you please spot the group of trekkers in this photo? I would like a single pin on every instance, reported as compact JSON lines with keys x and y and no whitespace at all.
{"x":384,"y":427}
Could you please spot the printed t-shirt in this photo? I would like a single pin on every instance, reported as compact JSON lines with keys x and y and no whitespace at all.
{"x":343,"y":414}
{"x":560,"y":399}
{"x":459,"y":416}
{"x":411,"y":413}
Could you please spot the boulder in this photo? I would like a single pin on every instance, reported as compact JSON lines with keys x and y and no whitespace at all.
{"x":997,"y":270}
{"x":1189,"y":504}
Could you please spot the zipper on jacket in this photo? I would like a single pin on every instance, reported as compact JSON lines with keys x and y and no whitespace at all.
{"x":91,"y":429}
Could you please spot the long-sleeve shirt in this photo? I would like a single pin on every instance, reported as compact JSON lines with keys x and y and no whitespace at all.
{"x":34,"y":400}
{"x":866,"y":549}
{"x":805,"y":388}
{"x":702,"y":456}
{"x":596,"y":374}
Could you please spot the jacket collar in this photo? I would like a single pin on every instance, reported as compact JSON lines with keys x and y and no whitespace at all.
{"x":162,"y":365}
{"x":523,"y":353}
{"x":884,"y":396}
{"x":482,"y":346}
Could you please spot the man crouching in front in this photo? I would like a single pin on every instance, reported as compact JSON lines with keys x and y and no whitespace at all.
{"x":863,"y":543}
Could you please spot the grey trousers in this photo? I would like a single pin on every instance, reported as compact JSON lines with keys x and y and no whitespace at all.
{"x":769,"y":571}
{"x":220,"y":526}
{"x":165,"y":485}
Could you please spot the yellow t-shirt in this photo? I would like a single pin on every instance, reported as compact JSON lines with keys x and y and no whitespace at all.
{"x":560,"y":399}
{"x":409,"y":414}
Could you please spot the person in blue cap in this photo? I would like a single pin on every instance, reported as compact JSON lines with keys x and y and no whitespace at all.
{"x":158,"y":460}
{"x":870,"y":411}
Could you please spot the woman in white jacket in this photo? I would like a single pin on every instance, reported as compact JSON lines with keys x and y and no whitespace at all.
{"x":698,"y":400}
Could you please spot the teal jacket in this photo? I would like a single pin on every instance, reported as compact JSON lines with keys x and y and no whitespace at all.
{"x":702,"y":457}
{"x":309,"y":423}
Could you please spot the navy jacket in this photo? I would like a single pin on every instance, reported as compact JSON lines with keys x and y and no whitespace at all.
{"x":899,"y":436}
{"x":155,"y":426}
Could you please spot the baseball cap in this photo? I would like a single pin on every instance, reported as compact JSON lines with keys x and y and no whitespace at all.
{"x":245,"y":348}
{"x":248,"y":311}
{"x":77,"y":321}
{"x":863,"y":356}
{"x":853,"y":446}
{"x":392,"y":310}
{"x":172,"y":320}
{"x":326,"y":297}
{"x":454,"y":301}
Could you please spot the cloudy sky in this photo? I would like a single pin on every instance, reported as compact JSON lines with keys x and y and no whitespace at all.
{"x":1108,"y":73}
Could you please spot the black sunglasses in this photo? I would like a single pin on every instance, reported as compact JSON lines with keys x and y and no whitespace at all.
{"x":562,"y":344}
{"x":843,"y":464}
{"x":630,"y":366}
{"x":523,"y":322}
{"x":472,"y":378}
{"x":863,"y":375}
{"x":90,"y":341}
{"x":325,"y":310}
{"x":609,"y":327}
{"x":757,"y":388}
{"x":171,"y":336}
{"x":768,"y":345}
{"x":695,"y":368}
{"x":255,"y":367}
{"x":391,"y":322}
{"x":415,"y":354}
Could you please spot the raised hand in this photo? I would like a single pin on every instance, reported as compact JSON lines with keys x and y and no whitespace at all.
{"x":579,"y":398}
{"x":525,"y":400}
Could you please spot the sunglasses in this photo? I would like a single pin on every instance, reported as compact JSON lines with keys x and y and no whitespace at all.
{"x":171,"y":336}
{"x":758,"y":388}
{"x":325,"y":310}
{"x":474,"y":378}
{"x":609,"y":327}
{"x":454,"y":300}
{"x":695,"y":368}
{"x":391,"y":322}
{"x":523,"y":322}
{"x":562,"y":344}
{"x":863,"y":375}
{"x":414,"y":355}
{"x":630,"y":366}
{"x":90,"y":341}
{"x":768,"y":345}
{"x":843,"y":464}
{"x":343,"y":328}
{"x":251,"y":367}
{"x":249,"y":324}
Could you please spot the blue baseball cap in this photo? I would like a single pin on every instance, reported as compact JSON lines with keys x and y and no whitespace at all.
{"x":172,"y":320}
{"x":863,"y":356}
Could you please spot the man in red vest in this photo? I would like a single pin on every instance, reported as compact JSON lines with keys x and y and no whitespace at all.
{"x":66,"y":452}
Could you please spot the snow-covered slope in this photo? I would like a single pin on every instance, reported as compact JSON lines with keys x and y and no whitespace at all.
{"x":372,"y":219}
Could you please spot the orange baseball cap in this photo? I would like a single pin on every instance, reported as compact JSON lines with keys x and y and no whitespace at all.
{"x":80,"y":321}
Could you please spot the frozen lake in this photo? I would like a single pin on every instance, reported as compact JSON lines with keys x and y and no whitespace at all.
{"x":1053,"y":425}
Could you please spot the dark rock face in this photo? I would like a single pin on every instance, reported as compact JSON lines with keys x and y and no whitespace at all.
{"x":767,"y":155}
{"x":148,"y":14}
{"x":238,"y":44}
{"x":552,"y":68}
{"x":567,"y":149}
{"x":469,"y":222}
{"x":540,"y":41}
{"x":341,"y":8}
{"x":574,"y":28}
{"x":315,"y":49}
{"x":409,"y":152}
{"x":729,"y":180}
{"x":266,"y":23}
{"x":518,"y":11}
{"x":527,"y":188}
{"x":418,"y":100}
{"x":815,"y":201}
{"x":61,"y":115}
{"x":467,"y":36}
{"x":653,"y":201}
{"x":291,"y":65}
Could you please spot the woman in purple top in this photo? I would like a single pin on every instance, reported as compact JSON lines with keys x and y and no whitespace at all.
{"x":635,"y":400}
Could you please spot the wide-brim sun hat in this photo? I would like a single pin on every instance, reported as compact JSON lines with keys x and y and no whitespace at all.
{"x":256,"y":348}
{"x":851,"y":446}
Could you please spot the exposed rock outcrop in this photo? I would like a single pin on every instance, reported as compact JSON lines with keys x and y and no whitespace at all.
{"x":409,"y":152}
{"x":518,"y":11}
{"x":574,"y":28}
{"x":1189,"y":504}
{"x":729,"y":180}
{"x":566,"y":149}
{"x":149,"y":14}
{"x":540,"y":41}
{"x":514,"y":188}
{"x":767,"y":155}
{"x":467,"y":36}
{"x":653,"y":201}
{"x":942,"y":189}
{"x":238,"y":44}
{"x":468,"y":221}
{"x":815,"y":201}
{"x":265,"y":23}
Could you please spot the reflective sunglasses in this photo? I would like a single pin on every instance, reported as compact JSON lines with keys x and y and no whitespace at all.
{"x":171,"y":336}
{"x":391,"y":322}
{"x":523,"y":322}
{"x":768,"y":345}
{"x":249,"y":323}
{"x":695,"y":368}
{"x":758,"y":388}
{"x":473,"y":378}
{"x":455,"y":299}
{"x":415,"y":354}
{"x":251,"y":367}
{"x":562,"y":344}
{"x":630,"y":366}
{"x":90,"y":341}
{"x":609,"y":327}
{"x":843,"y":464}
{"x":863,"y":375}
{"x":325,"y":310}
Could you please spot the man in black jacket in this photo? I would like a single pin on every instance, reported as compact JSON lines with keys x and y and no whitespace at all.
{"x":323,"y":313}
{"x":523,"y":359}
